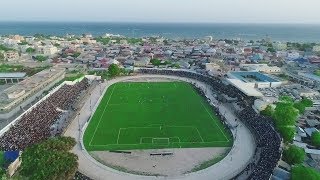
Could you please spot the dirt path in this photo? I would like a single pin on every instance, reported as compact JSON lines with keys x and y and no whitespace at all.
{"x":140,"y":161}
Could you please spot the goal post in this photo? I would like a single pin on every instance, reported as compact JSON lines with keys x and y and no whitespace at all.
{"x":161,"y":141}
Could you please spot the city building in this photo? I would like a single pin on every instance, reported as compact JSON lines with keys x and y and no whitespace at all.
{"x":11,"y":55}
{"x":12,"y":77}
{"x":316,"y":48}
{"x":18,"y":96}
{"x":260,"y":68}
{"x":254,"y":79}
{"x":293,"y":55}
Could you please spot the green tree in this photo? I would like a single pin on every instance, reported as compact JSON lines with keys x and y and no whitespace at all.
{"x":294,"y":155}
{"x":30,"y":50}
{"x":104,"y":41}
{"x":4,"y":48}
{"x":307,"y":102}
{"x":50,"y":160}
{"x":41,"y":58}
{"x":287,"y":99}
{"x":300,"y":172}
{"x":155,"y":62}
{"x":287,"y":133}
{"x":134,"y":40}
{"x":285,"y":114}
{"x":76,"y":54}
{"x":315,"y":138}
{"x":268,"y":111}
{"x":1,"y":56}
{"x":271,"y":49}
{"x":114,"y":70}
{"x":301,"y":107}
{"x":23,"y":43}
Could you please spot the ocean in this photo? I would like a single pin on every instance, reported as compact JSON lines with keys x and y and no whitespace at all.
{"x":277,"y":32}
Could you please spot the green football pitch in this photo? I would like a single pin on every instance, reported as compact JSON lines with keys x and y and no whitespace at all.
{"x":154,"y":115}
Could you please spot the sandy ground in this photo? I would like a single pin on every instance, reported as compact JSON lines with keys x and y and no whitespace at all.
{"x":140,"y":161}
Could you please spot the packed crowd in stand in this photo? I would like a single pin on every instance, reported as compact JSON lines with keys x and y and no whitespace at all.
{"x":267,"y":139}
{"x":268,"y":144}
{"x":34,"y":126}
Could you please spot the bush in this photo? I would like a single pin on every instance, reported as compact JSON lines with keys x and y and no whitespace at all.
{"x":294,"y":155}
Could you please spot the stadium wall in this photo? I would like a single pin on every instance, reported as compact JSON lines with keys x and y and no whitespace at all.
{"x":263,"y":84}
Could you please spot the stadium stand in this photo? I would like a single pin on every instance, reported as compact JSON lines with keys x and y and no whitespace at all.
{"x":34,"y":126}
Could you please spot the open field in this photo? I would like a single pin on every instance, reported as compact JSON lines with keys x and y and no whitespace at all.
{"x":154,"y":115}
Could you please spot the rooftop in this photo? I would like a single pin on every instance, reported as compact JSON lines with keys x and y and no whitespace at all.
{"x":30,"y":85}
{"x":252,"y":76}
{"x":245,"y":88}
{"x":12,"y":75}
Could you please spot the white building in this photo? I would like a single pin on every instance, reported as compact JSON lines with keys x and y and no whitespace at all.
{"x":88,"y":40}
{"x":29,"y":39}
{"x":280,"y":46}
{"x":50,"y":50}
{"x":316,"y":48}
{"x":293,"y":55}
{"x":261,"y":68}
{"x":47,"y":50}
{"x":10,"y":42}
{"x":282,"y":54}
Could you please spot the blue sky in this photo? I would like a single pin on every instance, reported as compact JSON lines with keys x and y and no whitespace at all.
{"x":220,"y":11}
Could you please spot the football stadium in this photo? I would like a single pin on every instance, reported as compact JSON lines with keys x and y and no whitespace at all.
{"x":151,"y":115}
{"x":154,"y":124}
{"x":174,"y":124}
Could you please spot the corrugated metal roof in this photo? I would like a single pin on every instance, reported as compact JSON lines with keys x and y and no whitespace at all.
{"x":246,"y":89}
{"x":13,"y":75}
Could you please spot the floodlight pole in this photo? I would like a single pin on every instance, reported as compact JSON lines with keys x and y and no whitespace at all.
{"x":79,"y":121}
{"x":90,"y":103}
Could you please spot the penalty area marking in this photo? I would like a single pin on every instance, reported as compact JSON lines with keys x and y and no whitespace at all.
{"x":120,"y":129}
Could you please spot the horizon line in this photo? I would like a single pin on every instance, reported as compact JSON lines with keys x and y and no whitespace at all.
{"x":160,"y":22}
